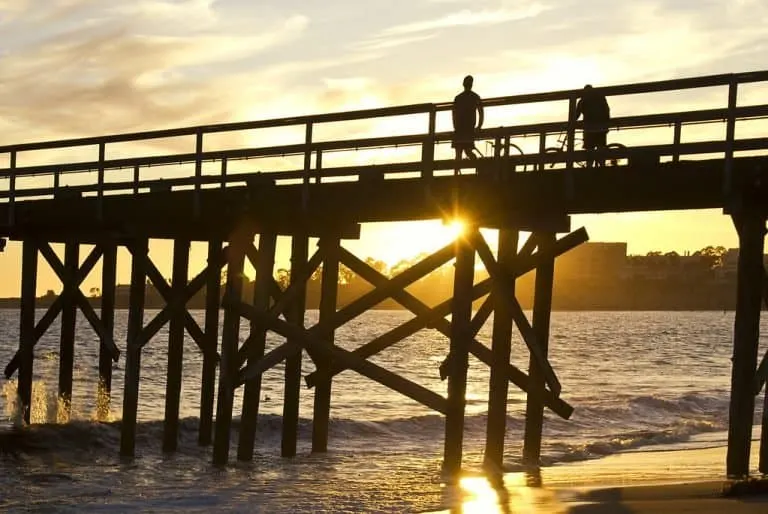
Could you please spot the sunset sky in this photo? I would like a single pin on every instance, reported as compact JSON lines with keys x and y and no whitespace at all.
{"x":71,"y":68}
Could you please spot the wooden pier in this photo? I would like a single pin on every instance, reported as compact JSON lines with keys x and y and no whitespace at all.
{"x":185,"y":185}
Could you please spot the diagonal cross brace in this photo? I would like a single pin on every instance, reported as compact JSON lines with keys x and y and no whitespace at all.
{"x":278,"y":308}
{"x":523,"y":265}
{"x":80,"y":299}
{"x":354,"y":309}
{"x":419,"y":308}
{"x":306,"y":339}
{"x":521,"y":321}
{"x":179,"y":301}
{"x":53,"y":311}
{"x":167,"y":293}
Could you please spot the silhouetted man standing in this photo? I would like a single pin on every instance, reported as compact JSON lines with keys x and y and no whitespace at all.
{"x":465,"y":107}
{"x":597,"y":114}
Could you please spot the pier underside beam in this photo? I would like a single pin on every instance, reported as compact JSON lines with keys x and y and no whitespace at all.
{"x":108,"y":287}
{"x":68,"y":327}
{"x":27,"y":327}
{"x":750,"y":225}
{"x":264,"y":265}
{"x":175,"y":347}
{"x":501,"y":345}
{"x":321,"y":413}
{"x":230,"y":334}
{"x":139,"y":249}
{"x":461,"y":316}
{"x":210,"y":355}
{"x":542,"y":310}
{"x":294,"y":316}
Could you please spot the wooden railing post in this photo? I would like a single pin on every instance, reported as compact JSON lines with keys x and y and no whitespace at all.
{"x":12,"y":190}
{"x":224,"y":173}
{"x":542,"y":149}
{"x":730,"y":133}
{"x":428,"y":147}
{"x":307,"y":164}
{"x":198,"y":170}
{"x":318,"y":166}
{"x":100,"y":191}
{"x":136,"y":179}
{"x":570,"y":145}
{"x":676,"y":142}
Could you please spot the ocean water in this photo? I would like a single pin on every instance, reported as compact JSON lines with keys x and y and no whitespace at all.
{"x":635,"y":379}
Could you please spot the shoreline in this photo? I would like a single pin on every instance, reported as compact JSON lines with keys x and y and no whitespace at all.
{"x":653,"y":480}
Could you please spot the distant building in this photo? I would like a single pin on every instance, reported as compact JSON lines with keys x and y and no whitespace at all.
{"x":593,"y":260}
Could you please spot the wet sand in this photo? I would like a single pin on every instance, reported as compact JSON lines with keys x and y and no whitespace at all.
{"x":659,"y":481}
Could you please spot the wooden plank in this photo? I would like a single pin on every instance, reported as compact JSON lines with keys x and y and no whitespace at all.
{"x":750,"y":226}
{"x":208,"y":379}
{"x":108,"y":288}
{"x":525,"y":328}
{"x":321,"y":412}
{"x":27,"y":326}
{"x":265,"y":263}
{"x":230,"y":335}
{"x":68,"y":327}
{"x":542,"y":309}
{"x":461,"y":320}
{"x":136,"y":296}
{"x":294,"y":315}
{"x":175,"y":348}
{"x":501,"y":347}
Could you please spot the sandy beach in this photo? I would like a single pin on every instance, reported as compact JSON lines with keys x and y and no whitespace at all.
{"x":659,"y":480}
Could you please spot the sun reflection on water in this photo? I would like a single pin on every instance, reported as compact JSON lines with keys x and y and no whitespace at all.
{"x":520,"y":493}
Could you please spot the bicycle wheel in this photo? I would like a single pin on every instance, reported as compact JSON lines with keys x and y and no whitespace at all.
{"x":553,"y":150}
{"x":620,"y":161}
{"x":520,"y":151}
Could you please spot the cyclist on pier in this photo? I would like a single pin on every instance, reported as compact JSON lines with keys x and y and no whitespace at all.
{"x":466,"y":106}
{"x":594,"y":106}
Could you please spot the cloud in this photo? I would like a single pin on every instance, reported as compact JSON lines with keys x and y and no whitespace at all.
{"x":469,"y":17}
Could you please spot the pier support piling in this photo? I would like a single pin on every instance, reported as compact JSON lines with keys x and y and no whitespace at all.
{"x":208,"y":380}
{"x":750,"y":225}
{"x":458,"y":356}
{"x":27,"y":327}
{"x":542,"y":310}
{"x":175,"y":346}
{"x":498,"y":388}
{"x":294,"y":316}
{"x":264,"y":265}
{"x":68,"y":327}
{"x":328,"y":297}
{"x":139,"y":249}
{"x":108,"y":286}
{"x":230,"y":337}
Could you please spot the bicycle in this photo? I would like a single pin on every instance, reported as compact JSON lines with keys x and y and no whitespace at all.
{"x":503,"y":145}
{"x":562,"y":140}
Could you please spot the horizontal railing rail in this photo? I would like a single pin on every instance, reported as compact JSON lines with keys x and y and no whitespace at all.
{"x":425,"y":164}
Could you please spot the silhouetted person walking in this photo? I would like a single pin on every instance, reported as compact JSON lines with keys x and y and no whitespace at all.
{"x":597,"y":114}
{"x":466,"y":106}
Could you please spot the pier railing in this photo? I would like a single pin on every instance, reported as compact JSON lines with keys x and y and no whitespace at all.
{"x":123,"y":175}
